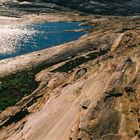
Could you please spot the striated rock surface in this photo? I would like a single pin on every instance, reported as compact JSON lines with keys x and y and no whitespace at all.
{"x":102,"y":7}
{"x":88,"y":89}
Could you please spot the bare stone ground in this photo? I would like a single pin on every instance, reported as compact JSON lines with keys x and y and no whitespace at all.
{"x":87,"y":89}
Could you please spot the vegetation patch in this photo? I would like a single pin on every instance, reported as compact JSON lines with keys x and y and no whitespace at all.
{"x":14,"y":87}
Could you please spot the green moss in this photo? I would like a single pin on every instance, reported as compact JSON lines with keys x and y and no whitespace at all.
{"x":15,"y":87}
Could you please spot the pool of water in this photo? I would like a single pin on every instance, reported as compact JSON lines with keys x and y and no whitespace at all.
{"x":22,"y":39}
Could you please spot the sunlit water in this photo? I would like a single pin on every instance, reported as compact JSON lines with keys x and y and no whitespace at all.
{"x":22,"y":39}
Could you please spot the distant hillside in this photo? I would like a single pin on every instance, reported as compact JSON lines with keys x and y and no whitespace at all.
{"x":109,"y":7}
{"x":102,"y":7}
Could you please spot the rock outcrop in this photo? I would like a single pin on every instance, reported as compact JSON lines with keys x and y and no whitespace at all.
{"x":102,"y":7}
{"x":89,"y":90}
{"x":107,"y":7}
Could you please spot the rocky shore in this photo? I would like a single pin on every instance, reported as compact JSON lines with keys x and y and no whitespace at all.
{"x":82,"y":90}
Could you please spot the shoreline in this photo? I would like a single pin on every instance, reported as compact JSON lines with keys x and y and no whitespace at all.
{"x":50,"y":17}
{"x":73,"y":84}
{"x":13,"y":65}
{"x":19,"y":63}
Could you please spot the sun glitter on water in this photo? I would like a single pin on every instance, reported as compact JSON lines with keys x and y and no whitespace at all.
{"x":10,"y":35}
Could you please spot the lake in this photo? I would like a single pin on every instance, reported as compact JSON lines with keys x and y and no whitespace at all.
{"x":16,"y":40}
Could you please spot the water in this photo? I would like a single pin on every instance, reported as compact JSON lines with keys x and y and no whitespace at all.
{"x":22,"y":39}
